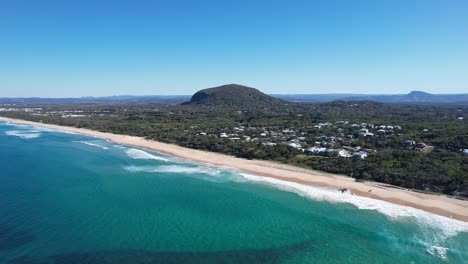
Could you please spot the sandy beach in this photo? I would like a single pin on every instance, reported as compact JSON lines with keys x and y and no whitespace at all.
{"x":437,"y":204}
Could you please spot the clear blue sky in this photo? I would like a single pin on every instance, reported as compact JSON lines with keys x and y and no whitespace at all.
{"x":81,"y":48}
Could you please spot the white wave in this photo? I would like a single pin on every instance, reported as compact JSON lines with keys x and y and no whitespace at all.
{"x":8,"y":123}
{"x":443,"y":227}
{"x":439,"y":252}
{"x":92,"y":144}
{"x":174,"y":169}
{"x":140,"y":154}
{"x":24,"y":134}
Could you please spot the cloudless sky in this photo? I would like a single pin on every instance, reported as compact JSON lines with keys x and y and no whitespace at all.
{"x":94,"y":48}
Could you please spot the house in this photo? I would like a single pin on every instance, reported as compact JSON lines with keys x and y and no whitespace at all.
{"x":420,"y":146}
{"x":343,"y":153}
{"x":295,"y":145}
{"x":460,"y":118}
{"x":223,"y":135}
{"x":365,"y":135}
{"x":360,"y":155}
{"x":409,"y":143}
{"x":315,"y":151}
{"x":465,"y":152}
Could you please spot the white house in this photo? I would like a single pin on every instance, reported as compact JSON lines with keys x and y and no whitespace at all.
{"x":295,"y":145}
{"x":223,"y":135}
{"x":360,"y":155}
{"x":343,"y":153}
{"x":465,"y":151}
{"x":315,"y":151}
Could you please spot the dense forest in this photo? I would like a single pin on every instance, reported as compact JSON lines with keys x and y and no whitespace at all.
{"x":265,"y":131}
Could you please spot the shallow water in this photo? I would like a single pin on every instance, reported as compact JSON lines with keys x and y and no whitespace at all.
{"x":68,"y":198}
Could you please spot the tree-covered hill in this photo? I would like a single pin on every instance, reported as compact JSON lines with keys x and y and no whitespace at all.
{"x":232,"y":95}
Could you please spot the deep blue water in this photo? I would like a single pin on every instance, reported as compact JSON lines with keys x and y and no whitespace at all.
{"x":67,"y":198}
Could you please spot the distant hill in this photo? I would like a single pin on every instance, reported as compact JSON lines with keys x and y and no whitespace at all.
{"x":165,"y":99}
{"x":234,"y":95}
{"x":412,"y":97}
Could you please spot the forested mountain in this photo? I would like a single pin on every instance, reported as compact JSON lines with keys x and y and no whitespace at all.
{"x":234,"y":95}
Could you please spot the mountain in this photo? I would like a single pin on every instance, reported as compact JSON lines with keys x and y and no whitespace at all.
{"x":234,"y":95}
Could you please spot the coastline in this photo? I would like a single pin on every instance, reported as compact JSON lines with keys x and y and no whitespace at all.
{"x":436,"y":204}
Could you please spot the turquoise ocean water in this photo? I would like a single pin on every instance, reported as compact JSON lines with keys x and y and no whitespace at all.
{"x":67,"y":198}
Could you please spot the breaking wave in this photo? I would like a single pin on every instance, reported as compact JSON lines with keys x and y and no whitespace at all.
{"x":140,"y":154}
{"x":438,"y":228}
{"x":24,"y":134}
{"x":174,"y":169}
{"x":439,"y":252}
{"x":92,"y":144}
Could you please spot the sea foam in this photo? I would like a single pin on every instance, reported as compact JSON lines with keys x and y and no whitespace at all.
{"x":174,"y":169}
{"x":92,"y":144}
{"x":140,"y":154}
{"x":439,"y":252}
{"x":448,"y":227}
{"x":435,"y":229}
{"x":24,"y":134}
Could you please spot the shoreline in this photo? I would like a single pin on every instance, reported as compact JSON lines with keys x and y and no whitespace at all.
{"x":437,"y":204}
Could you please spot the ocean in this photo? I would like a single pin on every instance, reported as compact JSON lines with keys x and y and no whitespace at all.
{"x":69,"y":198}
